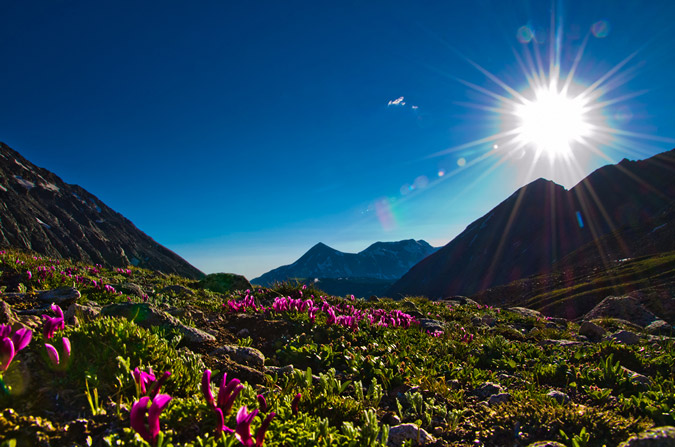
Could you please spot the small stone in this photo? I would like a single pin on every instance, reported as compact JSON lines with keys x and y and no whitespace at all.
{"x":626,"y":337}
{"x":592,"y":331}
{"x":546,"y":444}
{"x":654,"y":437}
{"x":498,"y":399}
{"x":428,"y":324}
{"x":558,"y":396}
{"x":398,"y":434}
{"x":488,"y":389}
{"x":242,"y":354}
{"x":243,"y":333}
{"x":60,"y":296}
{"x":489,"y":320}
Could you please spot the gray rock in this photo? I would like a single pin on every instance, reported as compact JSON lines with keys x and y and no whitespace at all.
{"x":147,"y":316}
{"x":398,"y":434}
{"x":7,"y":315}
{"x":243,"y":333}
{"x":459,"y":300}
{"x":488,"y":389}
{"x":489,"y":320}
{"x":659,"y":327}
{"x":431,"y":325}
{"x":549,"y":341}
{"x":546,"y":444}
{"x":637,"y":378}
{"x":61,"y":296}
{"x":130,"y":288}
{"x":654,"y":437}
{"x":80,"y":312}
{"x":592,"y":331}
{"x":525,"y":312}
{"x":279,"y":370}
{"x":242,"y":355}
{"x":624,"y":307}
{"x":626,"y":337}
{"x":498,"y":399}
{"x":558,"y":396}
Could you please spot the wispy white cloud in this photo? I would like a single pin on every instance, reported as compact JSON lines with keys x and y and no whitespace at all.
{"x":415,"y":107}
{"x":396,"y":102}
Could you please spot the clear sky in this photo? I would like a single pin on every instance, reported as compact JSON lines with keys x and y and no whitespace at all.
{"x":239,"y":134}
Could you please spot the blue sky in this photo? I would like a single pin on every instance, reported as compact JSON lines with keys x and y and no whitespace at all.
{"x":239,"y":134}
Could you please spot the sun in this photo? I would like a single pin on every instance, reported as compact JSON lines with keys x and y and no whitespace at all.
{"x":552,"y":121}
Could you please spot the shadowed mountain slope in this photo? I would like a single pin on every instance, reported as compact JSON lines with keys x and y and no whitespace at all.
{"x":40,"y":212}
{"x":541,"y":223}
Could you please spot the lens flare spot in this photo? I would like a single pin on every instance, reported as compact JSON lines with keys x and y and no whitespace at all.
{"x":421,"y":182}
{"x":441,"y":172}
{"x":461,"y":162}
{"x":385,"y":215}
{"x":524,"y":34}
{"x":600,"y":29}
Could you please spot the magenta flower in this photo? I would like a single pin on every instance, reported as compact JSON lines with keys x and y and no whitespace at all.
{"x":7,"y":353}
{"x":243,"y":430}
{"x":296,"y":403}
{"x":262,"y":402}
{"x":152,"y":392}
{"x":260,"y":436}
{"x":206,"y":389}
{"x":54,"y":354}
{"x":221,"y":423}
{"x":10,"y":346}
{"x":52,"y":324}
{"x":142,"y":378}
{"x":228,"y":393}
{"x":148,"y":426}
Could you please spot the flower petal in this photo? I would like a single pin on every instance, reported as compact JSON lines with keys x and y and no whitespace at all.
{"x":52,"y":353}
{"x":137,"y":418}
{"x":206,"y":388}
{"x":7,"y":353}
{"x":21,"y":338}
{"x":159,"y":403}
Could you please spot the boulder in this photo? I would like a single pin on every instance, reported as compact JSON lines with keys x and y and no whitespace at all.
{"x":626,"y":337}
{"x":623,"y":307}
{"x":224,"y":282}
{"x":558,"y":396}
{"x":428,"y":324}
{"x":498,"y":399}
{"x":80,"y":312}
{"x":242,"y":354}
{"x":7,"y":315}
{"x":61,"y":296}
{"x":654,"y":437}
{"x":398,"y":434}
{"x":659,"y":327}
{"x":591,"y":330}
{"x":487,"y":389}
{"x":525,"y":312}
{"x":130,"y":288}
{"x":147,"y":316}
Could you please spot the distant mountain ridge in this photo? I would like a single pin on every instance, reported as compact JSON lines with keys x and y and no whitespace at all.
{"x":541,"y":223}
{"x":380,"y":261}
{"x":40,"y":212}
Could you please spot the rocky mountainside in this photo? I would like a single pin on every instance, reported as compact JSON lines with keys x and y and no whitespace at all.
{"x":40,"y":212}
{"x":543,"y":222}
{"x":381,"y":261}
